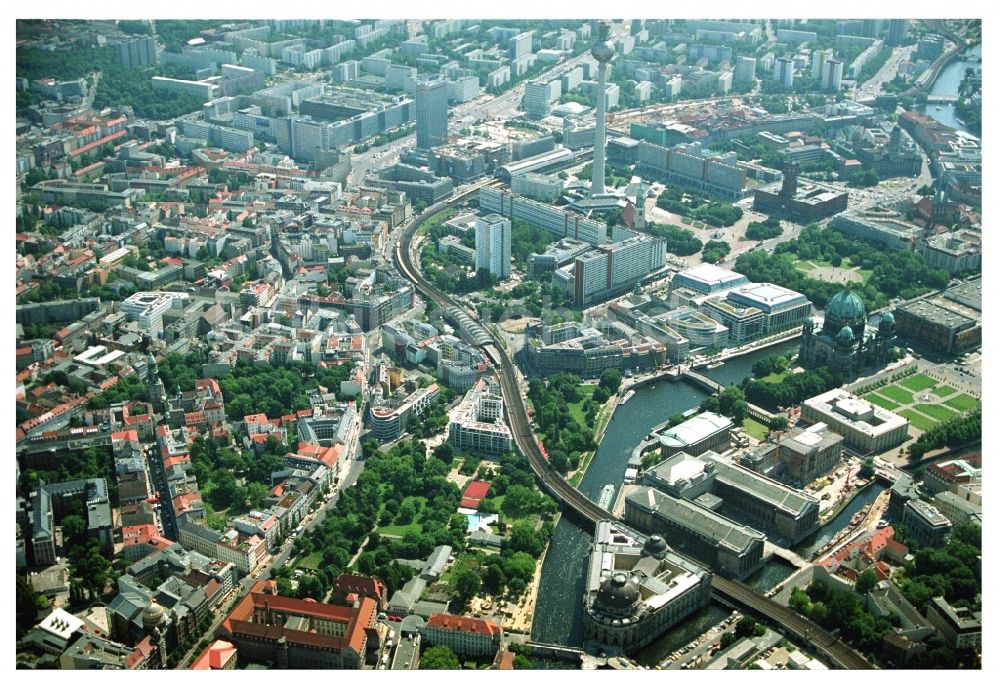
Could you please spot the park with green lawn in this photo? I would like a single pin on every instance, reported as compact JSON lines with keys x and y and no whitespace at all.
{"x":922,"y":400}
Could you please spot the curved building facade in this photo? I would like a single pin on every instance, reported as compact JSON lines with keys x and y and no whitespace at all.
{"x":638,"y":588}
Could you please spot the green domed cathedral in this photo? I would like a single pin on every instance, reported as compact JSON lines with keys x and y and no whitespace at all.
{"x":846,"y":342}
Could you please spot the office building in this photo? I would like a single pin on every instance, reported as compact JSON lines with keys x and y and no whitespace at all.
{"x":637,"y":588}
{"x":728,"y":548}
{"x":290,"y":633}
{"x":147,"y":309}
{"x":432,"y":114}
{"x":695,"y":166}
{"x":930,"y":47}
{"x":865,"y":428}
{"x":477,"y":423}
{"x":783,"y":308}
{"x":561,"y":223}
{"x":960,"y":626}
{"x":707,"y":279}
{"x":539,"y":96}
{"x":539,"y":187}
{"x":746,"y":71}
{"x":493,"y":245}
{"x":926,"y":524}
{"x":469,"y":637}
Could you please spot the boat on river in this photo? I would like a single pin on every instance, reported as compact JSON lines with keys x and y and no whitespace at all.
{"x":607,"y":496}
{"x":628,"y":395}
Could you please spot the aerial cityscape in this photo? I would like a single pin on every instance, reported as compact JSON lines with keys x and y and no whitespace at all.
{"x":499,"y":344}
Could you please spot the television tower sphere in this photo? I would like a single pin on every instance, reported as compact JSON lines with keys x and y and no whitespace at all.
{"x":603,"y":51}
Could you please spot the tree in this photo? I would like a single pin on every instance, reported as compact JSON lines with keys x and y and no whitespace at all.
{"x":445,"y":452}
{"x":522,"y":662}
{"x":74,"y":530}
{"x":26,"y":605}
{"x":439,"y":657}
{"x":866,"y":581}
{"x":726,"y":640}
{"x":867,"y":469}
{"x":466,"y":584}
{"x":611,"y":379}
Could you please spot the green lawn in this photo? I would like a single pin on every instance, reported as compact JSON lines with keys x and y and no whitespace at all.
{"x":310,"y":562}
{"x":897,"y":394}
{"x":414,"y":527}
{"x":935,"y":411}
{"x":756,"y":430}
{"x":576,"y":408}
{"x":920,"y":421}
{"x":963,"y":402}
{"x":918,"y":382}
{"x":879,"y":400}
{"x":943,"y":390}
{"x":776,"y":377}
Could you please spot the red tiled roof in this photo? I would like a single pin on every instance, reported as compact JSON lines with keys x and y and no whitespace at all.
{"x":463,"y":623}
{"x":215,"y":655}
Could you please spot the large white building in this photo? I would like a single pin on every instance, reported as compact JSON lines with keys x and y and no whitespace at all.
{"x":864,"y":427}
{"x":833,"y":75}
{"x":493,"y":245}
{"x":538,"y":97}
{"x":147,"y":309}
{"x":608,"y":270}
{"x":477,"y":422}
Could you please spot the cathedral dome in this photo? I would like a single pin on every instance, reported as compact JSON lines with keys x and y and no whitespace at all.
{"x":618,"y":593}
{"x":845,"y":310}
{"x":846,"y":307}
{"x":846,"y":333}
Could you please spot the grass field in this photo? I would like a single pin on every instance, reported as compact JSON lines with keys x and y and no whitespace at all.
{"x":879,"y":400}
{"x":935,"y":411}
{"x":943,"y":390}
{"x":576,"y":408}
{"x":920,"y":421}
{"x":776,"y":377}
{"x":897,"y":394}
{"x":754,"y":429}
{"x":918,"y":382}
{"x":414,"y":527}
{"x":310,"y":562}
{"x":963,"y":402}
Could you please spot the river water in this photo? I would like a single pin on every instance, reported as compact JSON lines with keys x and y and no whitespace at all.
{"x":559,"y":615}
{"x":947,"y":84}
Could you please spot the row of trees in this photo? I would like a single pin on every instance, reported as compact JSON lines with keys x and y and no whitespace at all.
{"x":715,"y":251}
{"x":952,"y":433}
{"x":565,"y":440}
{"x":793,"y":388}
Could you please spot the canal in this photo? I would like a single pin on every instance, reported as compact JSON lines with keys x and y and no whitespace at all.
{"x":558,"y":617}
{"x":807,"y":548}
{"x":947,"y":84}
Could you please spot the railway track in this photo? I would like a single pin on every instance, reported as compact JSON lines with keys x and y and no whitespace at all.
{"x":554,"y":482}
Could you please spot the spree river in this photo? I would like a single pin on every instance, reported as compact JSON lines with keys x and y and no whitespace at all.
{"x":559,"y":614}
{"x":947,"y":84}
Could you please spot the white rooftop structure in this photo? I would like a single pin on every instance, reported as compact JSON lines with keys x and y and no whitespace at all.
{"x":707,"y":278}
{"x":61,"y":623}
